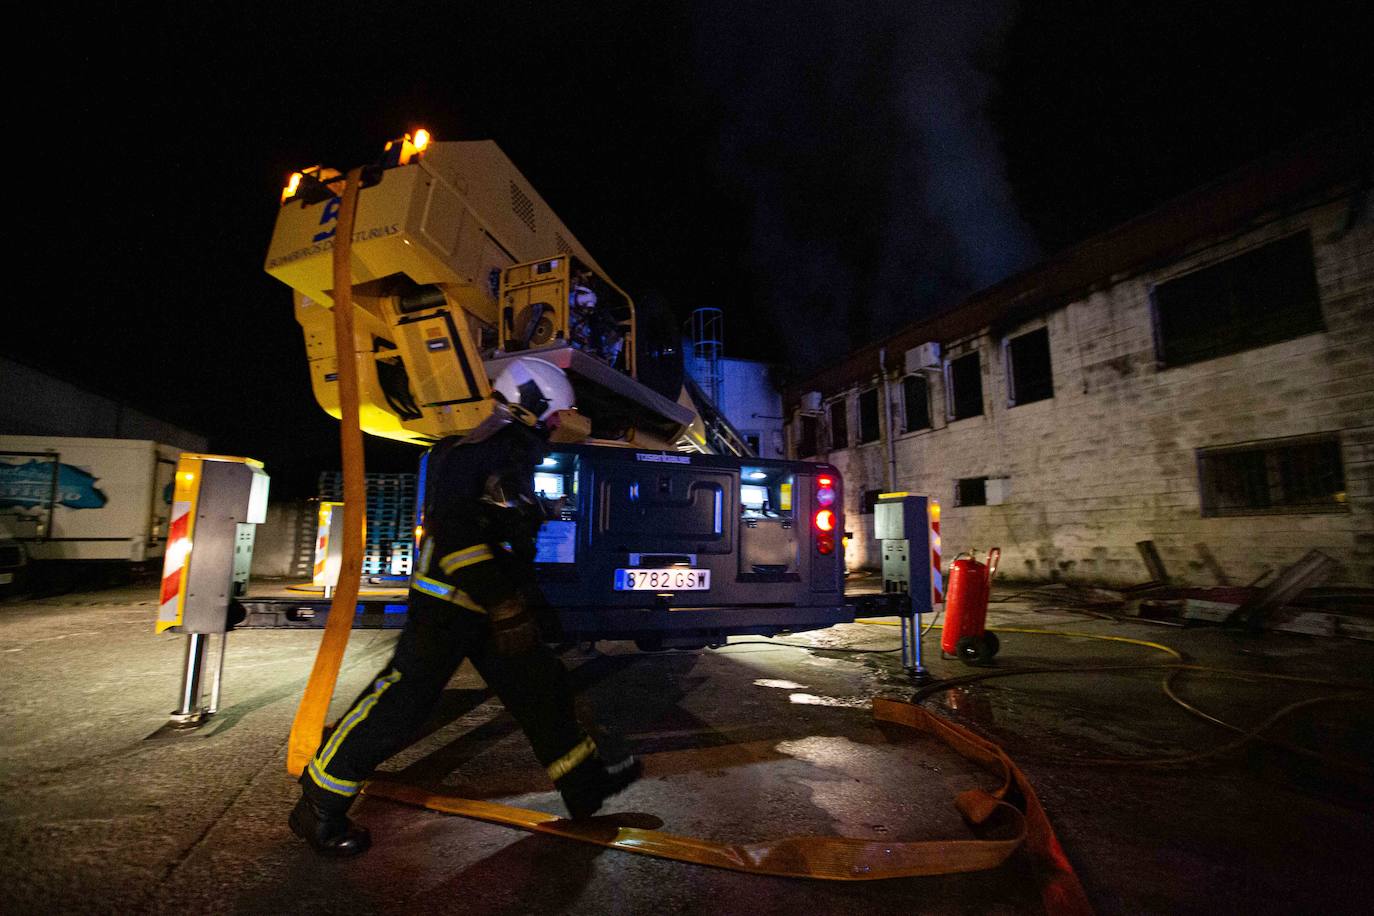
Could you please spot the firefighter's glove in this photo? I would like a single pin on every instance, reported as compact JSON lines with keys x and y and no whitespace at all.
{"x":514,"y":630}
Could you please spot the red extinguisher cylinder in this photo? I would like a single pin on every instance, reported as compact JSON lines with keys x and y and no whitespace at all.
{"x":966,"y":602}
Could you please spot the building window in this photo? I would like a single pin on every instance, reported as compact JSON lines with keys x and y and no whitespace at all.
{"x":1028,"y":368}
{"x":915,"y":403}
{"x":1280,"y":475}
{"x":870,"y":500}
{"x":839,"y":425}
{"x":806,"y":436}
{"x":971,"y":491}
{"x":1252,"y":300}
{"x":870,"y":428}
{"x":964,"y":382}
{"x":755,"y":443}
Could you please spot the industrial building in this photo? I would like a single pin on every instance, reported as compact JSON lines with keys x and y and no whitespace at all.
{"x":36,"y":403}
{"x":1195,"y":385}
{"x":742,"y":390}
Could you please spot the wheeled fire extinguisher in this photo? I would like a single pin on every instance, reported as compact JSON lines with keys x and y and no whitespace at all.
{"x":966,"y":609}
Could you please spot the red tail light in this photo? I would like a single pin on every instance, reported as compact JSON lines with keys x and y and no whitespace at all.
{"x":824,"y":520}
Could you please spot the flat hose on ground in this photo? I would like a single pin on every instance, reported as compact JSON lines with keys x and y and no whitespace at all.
{"x":1005,"y":825}
{"x":308,"y":726}
{"x":1003,"y":820}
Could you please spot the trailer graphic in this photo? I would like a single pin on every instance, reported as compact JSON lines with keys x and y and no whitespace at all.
{"x":40,"y":482}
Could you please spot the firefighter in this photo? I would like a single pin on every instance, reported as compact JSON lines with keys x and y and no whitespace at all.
{"x":469,"y":599}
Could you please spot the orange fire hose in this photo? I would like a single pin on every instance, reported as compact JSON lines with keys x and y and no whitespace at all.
{"x":308,"y":726}
{"x":1002,"y":821}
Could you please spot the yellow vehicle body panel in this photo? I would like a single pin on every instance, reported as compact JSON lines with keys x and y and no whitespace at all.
{"x":441,"y":257}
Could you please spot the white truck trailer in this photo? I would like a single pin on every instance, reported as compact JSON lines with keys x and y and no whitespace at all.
{"x":87,"y":504}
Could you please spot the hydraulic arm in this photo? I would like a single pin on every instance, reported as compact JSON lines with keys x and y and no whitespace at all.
{"x":458,"y":264}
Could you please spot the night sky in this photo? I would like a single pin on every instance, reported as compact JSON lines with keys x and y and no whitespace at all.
{"x":821,"y":171}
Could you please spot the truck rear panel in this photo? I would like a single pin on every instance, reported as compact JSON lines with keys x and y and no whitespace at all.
{"x":688,"y":549}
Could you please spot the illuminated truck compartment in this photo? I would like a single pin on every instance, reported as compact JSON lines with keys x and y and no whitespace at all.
{"x":699,"y":545}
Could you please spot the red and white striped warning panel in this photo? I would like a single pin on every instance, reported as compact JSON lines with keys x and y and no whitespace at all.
{"x":327,"y":561}
{"x":176,"y":560}
{"x":321,"y":542}
{"x":174,"y":563}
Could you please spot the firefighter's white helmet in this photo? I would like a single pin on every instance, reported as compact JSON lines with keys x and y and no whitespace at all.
{"x":535,"y":387}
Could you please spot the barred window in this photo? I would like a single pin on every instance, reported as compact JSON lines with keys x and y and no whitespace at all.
{"x":971,"y":491}
{"x":1257,"y":298}
{"x":1296,"y":475}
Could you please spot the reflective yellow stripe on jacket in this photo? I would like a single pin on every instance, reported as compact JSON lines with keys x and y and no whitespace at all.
{"x":468,"y":556}
{"x":445,"y":592}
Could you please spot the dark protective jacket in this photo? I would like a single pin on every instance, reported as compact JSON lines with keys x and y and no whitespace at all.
{"x":477,"y":552}
{"x":481,"y":518}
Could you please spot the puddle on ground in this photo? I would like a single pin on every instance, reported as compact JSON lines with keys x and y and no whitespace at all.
{"x":830,"y":751}
{"x":811,"y":699}
{"x":836,"y":664}
{"x":781,"y":685}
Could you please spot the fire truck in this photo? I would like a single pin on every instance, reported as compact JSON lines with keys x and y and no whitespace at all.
{"x":665,"y":529}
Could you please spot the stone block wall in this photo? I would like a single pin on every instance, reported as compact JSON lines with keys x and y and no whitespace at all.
{"x":1112,"y":458}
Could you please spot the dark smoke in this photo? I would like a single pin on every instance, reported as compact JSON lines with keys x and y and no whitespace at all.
{"x":857,"y":135}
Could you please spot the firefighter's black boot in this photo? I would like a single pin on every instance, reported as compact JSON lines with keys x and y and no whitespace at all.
{"x":587,"y":786}
{"x":324,"y":824}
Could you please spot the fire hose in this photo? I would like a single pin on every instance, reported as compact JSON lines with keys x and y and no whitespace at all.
{"x":308,"y":726}
{"x":1002,"y":820}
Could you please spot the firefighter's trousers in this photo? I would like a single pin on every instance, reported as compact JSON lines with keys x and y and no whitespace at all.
{"x":437,"y":637}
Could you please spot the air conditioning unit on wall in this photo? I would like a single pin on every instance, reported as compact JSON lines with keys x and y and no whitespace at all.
{"x":926,"y":356}
{"x":811,"y":402}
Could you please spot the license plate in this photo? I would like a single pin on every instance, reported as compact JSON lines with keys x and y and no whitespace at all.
{"x":662,"y":580}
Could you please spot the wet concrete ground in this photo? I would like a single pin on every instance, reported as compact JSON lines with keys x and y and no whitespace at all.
{"x":752,"y":741}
